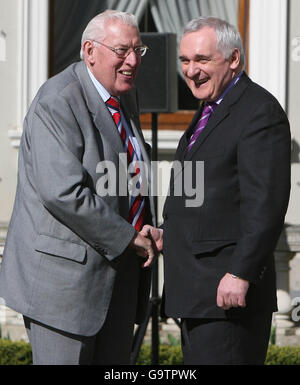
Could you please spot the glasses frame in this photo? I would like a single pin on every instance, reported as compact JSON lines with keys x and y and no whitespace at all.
{"x":113,"y":49}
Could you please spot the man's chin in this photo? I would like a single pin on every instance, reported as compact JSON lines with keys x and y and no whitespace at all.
{"x":200,"y":95}
{"x":125,"y":88}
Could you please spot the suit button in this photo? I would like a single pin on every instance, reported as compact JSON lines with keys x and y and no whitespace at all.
{"x":262,"y":273}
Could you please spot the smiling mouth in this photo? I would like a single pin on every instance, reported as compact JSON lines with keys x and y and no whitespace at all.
{"x":127,"y":73}
{"x":199,"y":82}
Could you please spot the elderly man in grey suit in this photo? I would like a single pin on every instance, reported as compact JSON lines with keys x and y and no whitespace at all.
{"x":75,"y":264}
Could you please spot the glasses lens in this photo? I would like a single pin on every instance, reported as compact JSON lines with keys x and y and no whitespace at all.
{"x":141,"y":50}
{"x":122,"y":52}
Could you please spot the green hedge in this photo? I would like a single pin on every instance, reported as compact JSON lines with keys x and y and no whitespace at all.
{"x":171,"y":355}
{"x":168,"y":355}
{"x":19,"y":353}
{"x":15,"y":353}
{"x":284,"y":355}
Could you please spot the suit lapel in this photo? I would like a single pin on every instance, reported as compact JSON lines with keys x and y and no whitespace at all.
{"x":101,"y":116}
{"x":133,"y":118}
{"x":216,"y":118}
{"x":221,"y":113}
{"x":184,"y":141}
{"x":105,"y":124}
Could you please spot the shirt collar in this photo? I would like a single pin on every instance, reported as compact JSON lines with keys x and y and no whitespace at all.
{"x":232,"y":84}
{"x":99,"y":87}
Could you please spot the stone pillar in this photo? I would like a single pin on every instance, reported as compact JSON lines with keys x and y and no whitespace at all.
{"x":288,"y":245}
{"x":282,"y":317}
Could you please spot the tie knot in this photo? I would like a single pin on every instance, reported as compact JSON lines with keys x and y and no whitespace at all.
{"x":209,"y":108}
{"x":113,"y":104}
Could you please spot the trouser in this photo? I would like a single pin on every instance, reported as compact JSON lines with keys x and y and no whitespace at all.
{"x":241,"y":341}
{"x":55,"y":347}
{"x":110,"y":346}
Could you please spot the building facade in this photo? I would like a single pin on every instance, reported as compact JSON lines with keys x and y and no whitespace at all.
{"x":271,"y":32}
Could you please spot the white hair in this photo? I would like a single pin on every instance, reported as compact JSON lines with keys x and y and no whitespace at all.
{"x":228,"y":38}
{"x":95,"y":30}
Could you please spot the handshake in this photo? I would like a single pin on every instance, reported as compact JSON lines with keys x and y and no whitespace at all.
{"x":148,"y":243}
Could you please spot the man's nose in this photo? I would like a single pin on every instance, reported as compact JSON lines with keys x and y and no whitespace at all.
{"x":132,"y":59}
{"x":192,"y":69}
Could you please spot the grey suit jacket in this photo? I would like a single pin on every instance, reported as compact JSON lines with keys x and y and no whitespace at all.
{"x":65,"y":239}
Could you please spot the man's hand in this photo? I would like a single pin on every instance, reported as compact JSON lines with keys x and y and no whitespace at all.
{"x":232,"y":292}
{"x":155,"y":234}
{"x":143,"y":248}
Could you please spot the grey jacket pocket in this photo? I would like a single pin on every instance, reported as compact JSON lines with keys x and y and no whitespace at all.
{"x":60,"y":248}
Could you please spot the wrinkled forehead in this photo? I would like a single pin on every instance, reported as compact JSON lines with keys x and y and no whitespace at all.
{"x":121,"y":32}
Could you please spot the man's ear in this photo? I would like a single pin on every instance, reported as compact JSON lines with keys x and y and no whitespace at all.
{"x":235,"y":59}
{"x":89,"y":52}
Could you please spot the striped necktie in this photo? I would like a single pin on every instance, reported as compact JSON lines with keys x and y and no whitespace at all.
{"x":136,"y":213}
{"x":208,"y":109}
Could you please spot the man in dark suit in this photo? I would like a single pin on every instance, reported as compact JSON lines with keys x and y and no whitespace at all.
{"x":218,"y":255}
{"x":72,"y":261}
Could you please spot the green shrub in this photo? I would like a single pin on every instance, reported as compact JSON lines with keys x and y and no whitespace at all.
{"x":171,"y":355}
{"x":284,"y":355}
{"x":168,"y":355}
{"x":144,"y":357}
{"x":19,"y":353}
{"x":15,"y":353}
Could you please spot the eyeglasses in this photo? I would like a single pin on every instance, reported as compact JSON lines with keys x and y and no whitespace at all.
{"x":124,"y":52}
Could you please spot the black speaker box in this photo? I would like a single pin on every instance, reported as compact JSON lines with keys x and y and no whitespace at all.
{"x":157,"y":80}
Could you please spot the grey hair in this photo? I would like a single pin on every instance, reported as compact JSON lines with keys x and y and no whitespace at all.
{"x":95,"y":30}
{"x":228,"y":37}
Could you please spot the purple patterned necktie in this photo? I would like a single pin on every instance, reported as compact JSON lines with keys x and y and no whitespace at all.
{"x":208,"y":109}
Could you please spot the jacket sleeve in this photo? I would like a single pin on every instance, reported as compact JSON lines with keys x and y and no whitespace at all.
{"x":264,"y":178}
{"x":57,"y":148}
